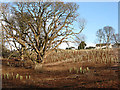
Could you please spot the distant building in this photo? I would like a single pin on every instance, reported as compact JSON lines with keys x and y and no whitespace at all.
{"x":116,"y":45}
{"x":103,"y":46}
{"x":90,"y":47}
{"x":71,"y":48}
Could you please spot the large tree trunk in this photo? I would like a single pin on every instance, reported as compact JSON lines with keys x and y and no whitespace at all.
{"x":22,"y":54}
{"x":39,"y":59}
{"x":38,"y":66}
{"x":2,"y":47}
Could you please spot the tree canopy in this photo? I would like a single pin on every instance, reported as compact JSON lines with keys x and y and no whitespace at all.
{"x":39,"y":26}
{"x":105,"y":35}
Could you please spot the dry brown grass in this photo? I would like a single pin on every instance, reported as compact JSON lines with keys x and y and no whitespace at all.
{"x":55,"y":70}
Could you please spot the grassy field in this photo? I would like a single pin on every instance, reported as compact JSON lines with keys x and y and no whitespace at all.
{"x":65,"y":69}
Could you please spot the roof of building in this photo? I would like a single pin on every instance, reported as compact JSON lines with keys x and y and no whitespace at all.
{"x":102,"y":44}
{"x":116,"y":44}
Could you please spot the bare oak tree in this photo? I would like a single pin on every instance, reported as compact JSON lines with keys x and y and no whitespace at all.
{"x":105,"y":35}
{"x":40,"y":26}
{"x":100,"y":35}
{"x":108,"y":32}
{"x":116,"y":38}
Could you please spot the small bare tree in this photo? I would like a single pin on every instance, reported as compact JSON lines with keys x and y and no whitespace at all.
{"x":108,"y":33}
{"x":100,"y":35}
{"x":116,"y":38}
{"x":105,"y":35}
{"x":40,"y":26}
{"x":79,"y":37}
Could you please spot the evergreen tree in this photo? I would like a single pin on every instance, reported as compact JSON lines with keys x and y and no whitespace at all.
{"x":82,"y":45}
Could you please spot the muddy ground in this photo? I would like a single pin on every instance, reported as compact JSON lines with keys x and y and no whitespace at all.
{"x":58,"y":75}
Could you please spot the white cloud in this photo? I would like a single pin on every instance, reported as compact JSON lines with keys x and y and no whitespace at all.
{"x":90,"y":44}
{"x":64,"y":45}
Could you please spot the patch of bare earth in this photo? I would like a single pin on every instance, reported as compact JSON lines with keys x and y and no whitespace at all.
{"x":57,"y":75}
